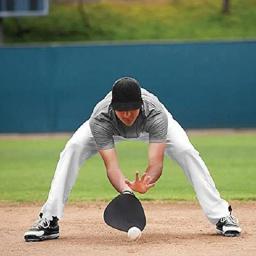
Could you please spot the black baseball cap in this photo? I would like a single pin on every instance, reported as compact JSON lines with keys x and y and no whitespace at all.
{"x":126,"y":94}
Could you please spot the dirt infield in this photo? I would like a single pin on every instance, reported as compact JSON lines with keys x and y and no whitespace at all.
{"x":178,"y":228}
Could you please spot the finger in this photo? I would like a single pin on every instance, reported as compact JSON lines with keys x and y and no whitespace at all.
{"x":150,"y":185}
{"x":128,"y":182}
{"x":137,"y":176}
{"x":143,"y":176}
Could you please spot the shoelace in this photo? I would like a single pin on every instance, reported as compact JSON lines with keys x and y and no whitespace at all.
{"x":230,"y":220}
{"x":42,"y":222}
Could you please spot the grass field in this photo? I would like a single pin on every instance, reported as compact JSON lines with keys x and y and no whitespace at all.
{"x":136,"y":20}
{"x":27,"y":166}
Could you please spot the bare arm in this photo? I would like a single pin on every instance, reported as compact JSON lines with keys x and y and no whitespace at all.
{"x":155,"y":161}
{"x":153,"y":171}
{"x":114,"y":173}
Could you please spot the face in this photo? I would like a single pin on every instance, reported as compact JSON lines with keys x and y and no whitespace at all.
{"x":127,"y":117}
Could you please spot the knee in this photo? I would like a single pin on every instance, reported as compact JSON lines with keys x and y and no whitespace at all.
{"x":72,"y":148}
{"x":176,"y":148}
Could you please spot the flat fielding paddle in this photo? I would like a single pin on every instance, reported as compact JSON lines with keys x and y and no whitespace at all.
{"x":125,"y":211}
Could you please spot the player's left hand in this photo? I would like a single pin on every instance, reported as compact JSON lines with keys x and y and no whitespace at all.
{"x":141,"y":185}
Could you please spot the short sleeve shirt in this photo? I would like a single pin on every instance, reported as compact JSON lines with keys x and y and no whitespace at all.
{"x":152,"y":119}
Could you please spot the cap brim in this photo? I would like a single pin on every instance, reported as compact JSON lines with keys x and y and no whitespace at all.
{"x":126,"y":106}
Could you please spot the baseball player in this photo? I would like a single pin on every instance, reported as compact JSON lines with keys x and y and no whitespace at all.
{"x":130,"y":112}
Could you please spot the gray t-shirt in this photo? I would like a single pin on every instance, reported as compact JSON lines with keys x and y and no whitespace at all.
{"x":152,"y":120}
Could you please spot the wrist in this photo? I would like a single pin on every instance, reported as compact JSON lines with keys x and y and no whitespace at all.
{"x":128,"y":192}
{"x":126,"y":188}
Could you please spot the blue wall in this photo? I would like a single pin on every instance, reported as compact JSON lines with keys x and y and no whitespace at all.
{"x":54,"y":88}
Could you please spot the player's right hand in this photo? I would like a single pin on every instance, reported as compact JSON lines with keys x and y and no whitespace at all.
{"x":140,"y":185}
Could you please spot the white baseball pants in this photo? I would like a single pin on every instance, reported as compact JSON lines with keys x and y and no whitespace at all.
{"x":82,"y":146}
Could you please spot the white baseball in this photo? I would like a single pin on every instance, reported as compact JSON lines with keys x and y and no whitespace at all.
{"x":134,"y":233}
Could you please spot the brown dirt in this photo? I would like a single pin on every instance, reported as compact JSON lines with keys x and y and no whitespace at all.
{"x":173,"y":228}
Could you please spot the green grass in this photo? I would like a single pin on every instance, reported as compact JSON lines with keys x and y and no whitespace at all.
{"x":27,"y":167}
{"x":135,"y":20}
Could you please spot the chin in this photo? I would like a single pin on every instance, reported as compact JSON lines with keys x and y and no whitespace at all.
{"x":129,"y":124}
{"x":126,"y":124}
